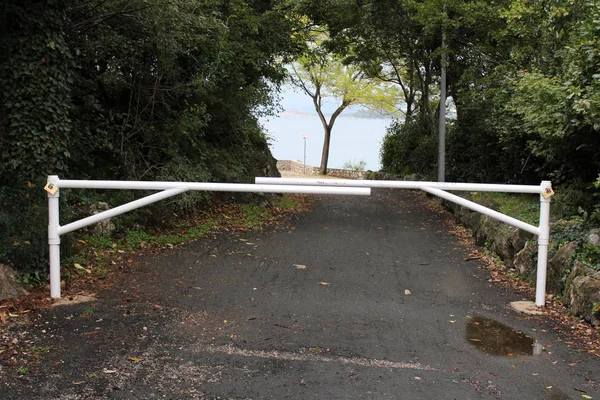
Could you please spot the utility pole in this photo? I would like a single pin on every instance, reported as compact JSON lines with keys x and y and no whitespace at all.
{"x":442,"y":116}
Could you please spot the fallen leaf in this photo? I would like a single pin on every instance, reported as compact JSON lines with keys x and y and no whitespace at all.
{"x":300,"y":266}
{"x":407,"y":292}
{"x":452,"y":322}
{"x":572,"y":364}
{"x":475,"y":340}
{"x":3,"y":317}
{"x":78,"y":383}
{"x":324,"y":283}
{"x":79,"y":267}
{"x":585,"y":396}
{"x":136,"y":359}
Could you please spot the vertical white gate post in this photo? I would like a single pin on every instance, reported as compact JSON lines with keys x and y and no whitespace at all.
{"x":53,"y":236}
{"x":543,"y":240}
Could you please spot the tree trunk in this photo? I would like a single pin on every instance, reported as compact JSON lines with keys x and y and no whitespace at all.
{"x":325,"y":154}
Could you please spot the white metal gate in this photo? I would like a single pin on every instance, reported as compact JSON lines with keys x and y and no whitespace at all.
{"x":292,"y":185}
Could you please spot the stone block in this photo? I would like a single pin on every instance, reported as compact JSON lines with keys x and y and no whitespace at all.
{"x":9,"y":287}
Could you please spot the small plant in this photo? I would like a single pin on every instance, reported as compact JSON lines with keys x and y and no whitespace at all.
{"x":37,"y":350}
{"x":87,"y":312}
{"x":23,"y":370}
{"x":286,"y":202}
{"x":355,"y":165}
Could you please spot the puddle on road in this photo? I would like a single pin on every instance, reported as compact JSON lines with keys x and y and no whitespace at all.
{"x":497,"y":339}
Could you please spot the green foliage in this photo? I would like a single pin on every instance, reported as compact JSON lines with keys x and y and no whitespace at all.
{"x":322,"y":75}
{"x":408,"y":149}
{"x":131,"y":90}
{"x":36,"y":350}
{"x":355,"y":165}
{"x":36,"y":76}
{"x":525,"y":207}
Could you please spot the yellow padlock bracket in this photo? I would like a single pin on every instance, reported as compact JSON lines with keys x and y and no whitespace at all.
{"x":51,"y":188}
{"x":547,"y":193}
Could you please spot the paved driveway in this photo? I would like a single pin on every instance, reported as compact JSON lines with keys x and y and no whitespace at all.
{"x":363,"y":298}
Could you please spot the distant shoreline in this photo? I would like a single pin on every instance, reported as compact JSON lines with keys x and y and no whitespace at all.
{"x":357,"y":115}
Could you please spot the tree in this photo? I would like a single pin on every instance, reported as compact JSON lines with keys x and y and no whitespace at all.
{"x":132,"y":89}
{"x":322,"y":75}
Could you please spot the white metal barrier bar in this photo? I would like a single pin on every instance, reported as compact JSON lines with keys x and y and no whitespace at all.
{"x":168,"y":189}
{"x":209,"y":186}
{"x":473,"y":187}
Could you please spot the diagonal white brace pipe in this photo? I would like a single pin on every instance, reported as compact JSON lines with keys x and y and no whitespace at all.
{"x":122,"y":209}
{"x":483,"y":210}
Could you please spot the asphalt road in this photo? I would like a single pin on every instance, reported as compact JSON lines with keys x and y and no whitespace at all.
{"x":363,"y":298}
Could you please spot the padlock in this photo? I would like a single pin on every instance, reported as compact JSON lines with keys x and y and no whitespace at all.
{"x":51,"y":188}
{"x":548,"y":192}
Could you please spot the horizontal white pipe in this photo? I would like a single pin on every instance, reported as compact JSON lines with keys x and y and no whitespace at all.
{"x":144,"y":201}
{"x":483,"y":210}
{"x":209,"y":186}
{"x":474,"y":187}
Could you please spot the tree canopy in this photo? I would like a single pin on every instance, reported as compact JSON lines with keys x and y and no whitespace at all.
{"x":322,"y":75}
{"x":133,"y":89}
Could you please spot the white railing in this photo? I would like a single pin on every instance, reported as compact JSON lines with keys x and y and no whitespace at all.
{"x":168,"y":189}
{"x":439,"y":189}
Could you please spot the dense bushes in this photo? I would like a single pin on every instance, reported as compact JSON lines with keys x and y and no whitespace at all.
{"x":135,"y":89}
{"x":408,"y":149}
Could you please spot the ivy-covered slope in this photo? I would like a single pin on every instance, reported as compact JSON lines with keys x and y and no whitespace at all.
{"x":134,"y":89}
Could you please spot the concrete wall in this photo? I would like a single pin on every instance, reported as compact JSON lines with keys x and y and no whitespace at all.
{"x":298,"y":168}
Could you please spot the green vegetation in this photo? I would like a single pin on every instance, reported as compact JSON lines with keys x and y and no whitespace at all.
{"x":355,"y":165}
{"x":22,"y":370}
{"x":131,"y":90}
{"x":172,"y":90}
{"x":36,"y":350}
{"x":322,"y":75}
{"x":521,"y":206}
{"x":523,"y":76}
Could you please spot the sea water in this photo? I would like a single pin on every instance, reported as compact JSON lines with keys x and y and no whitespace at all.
{"x":352,"y":139}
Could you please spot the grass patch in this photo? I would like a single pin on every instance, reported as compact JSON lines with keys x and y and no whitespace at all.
{"x":525,"y":207}
{"x":22,"y":370}
{"x":37,"y":350}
